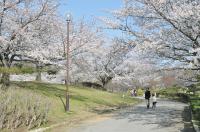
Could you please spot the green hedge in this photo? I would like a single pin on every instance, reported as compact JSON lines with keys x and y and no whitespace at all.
{"x":16,"y":70}
{"x":176,"y":93}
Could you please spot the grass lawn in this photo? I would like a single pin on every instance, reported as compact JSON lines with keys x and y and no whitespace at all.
{"x":84,"y":102}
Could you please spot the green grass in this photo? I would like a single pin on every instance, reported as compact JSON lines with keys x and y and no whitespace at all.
{"x":84,"y":102}
{"x":195,"y":106}
{"x":171,"y":91}
{"x":174,"y":93}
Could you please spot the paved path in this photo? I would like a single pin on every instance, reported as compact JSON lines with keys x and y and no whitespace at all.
{"x":169,"y":116}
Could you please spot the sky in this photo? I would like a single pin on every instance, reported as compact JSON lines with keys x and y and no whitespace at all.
{"x":89,"y":9}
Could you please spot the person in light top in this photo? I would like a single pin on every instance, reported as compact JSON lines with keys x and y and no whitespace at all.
{"x":154,"y":100}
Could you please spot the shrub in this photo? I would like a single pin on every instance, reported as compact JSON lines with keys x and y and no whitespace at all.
{"x":52,"y":71}
{"x":20,"y":108}
{"x":183,"y":97}
{"x":25,"y":70}
{"x":140,"y":92}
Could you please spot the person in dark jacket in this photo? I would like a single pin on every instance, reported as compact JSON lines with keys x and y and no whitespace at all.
{"x":147,"y":97}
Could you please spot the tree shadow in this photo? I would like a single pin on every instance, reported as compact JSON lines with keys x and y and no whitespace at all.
{"x":162,"y":116}
{"x":79,"y":98}
{"x":103,"y":111}
{"x":61,"y":101}
{"x":46,"y":89}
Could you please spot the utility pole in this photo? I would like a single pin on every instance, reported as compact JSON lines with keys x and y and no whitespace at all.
{"x":68,"y":65}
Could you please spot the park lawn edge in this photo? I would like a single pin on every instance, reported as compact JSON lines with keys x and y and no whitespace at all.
{"x":108,"y":103}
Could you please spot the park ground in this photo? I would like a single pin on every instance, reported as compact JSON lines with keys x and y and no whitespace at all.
{"x":169,"y":116}
{"x":93,"y":110}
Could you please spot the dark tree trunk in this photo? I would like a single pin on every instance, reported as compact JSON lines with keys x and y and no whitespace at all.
{"x":6,"y":59}
{"x":38,"y":74}
{"x":39,"y":77}
{"x":5,"y":80}
{"x":105,"y":81}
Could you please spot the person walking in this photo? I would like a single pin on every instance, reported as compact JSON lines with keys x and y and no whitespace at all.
{"x":135,"y":92}
{"x":154,"y":100}
{"x":147,"y":97}
{"x":132,"y":92}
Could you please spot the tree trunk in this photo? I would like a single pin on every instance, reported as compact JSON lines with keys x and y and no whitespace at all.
{"x":105,"y":81}
{"x":5,"y":80}
{"x":6,"y":62}
{"x":112,"y":90}
{"x":38,"y":77}
{"x":38,"y":74}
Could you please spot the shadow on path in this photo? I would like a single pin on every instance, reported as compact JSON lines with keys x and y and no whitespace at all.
{"x":167,"y":114}
{"x":188,"y":127}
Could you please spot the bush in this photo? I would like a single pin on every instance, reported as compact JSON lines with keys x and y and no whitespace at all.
{"x":20,"y":108}
{"x":169,"y":92}
{"x":183,"y":97}
{"x":52,"y":71}
{"x":140,"y":92}
{"x":25,"y":70}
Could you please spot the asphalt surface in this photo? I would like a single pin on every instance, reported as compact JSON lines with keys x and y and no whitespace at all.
{"x":169,"y":116}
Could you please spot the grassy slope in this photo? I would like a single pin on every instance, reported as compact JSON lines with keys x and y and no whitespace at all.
{"x":84,"y":102}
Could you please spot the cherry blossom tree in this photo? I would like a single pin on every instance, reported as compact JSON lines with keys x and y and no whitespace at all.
{"x":85,"y":38}
{"x":164,"y":31}
{"x":19,"y":29}
{"x":103,"y":64}
{"x":168,"y":28}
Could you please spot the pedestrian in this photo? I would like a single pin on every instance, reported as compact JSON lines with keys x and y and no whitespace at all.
{"x":147,"y":97}
{"x":135,"y":93}
{"x":154,"y":100}
{"x":132,"y":92}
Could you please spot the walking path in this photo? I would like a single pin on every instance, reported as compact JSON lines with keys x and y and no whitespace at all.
{"x":169,"y":116}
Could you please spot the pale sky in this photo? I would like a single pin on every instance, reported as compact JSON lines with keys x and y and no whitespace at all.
{"x":87,"y":8}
